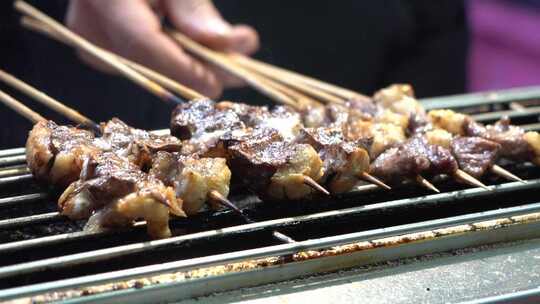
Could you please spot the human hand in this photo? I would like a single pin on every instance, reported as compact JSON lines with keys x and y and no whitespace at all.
{"x":132,"y":29}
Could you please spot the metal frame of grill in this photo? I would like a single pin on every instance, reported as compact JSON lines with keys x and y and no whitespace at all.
{"x":513,"y":222}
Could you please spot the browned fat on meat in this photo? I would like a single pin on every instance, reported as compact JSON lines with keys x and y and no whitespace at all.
{"x":113,"y":192}
{"x":55,"y":154}
{"x":343,"y":161}
{"x":475,"y":155}
{"x":275,"y":169}
{"x":192,"y":178}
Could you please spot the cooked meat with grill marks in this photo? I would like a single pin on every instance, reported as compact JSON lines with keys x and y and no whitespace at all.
{"x":192,"y":178}
{"x":413,"y":157}
{"x":475,"y":155}
{"x":110,"y":184}
{"x":56,"y":153}
{"x":343,"y":161}
{"x":276,"y":169}
{"x":511,"y":138}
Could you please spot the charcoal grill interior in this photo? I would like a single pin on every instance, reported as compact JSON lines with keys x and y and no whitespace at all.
{"x":41,"y":249}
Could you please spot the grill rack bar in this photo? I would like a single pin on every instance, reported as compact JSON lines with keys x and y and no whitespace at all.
{"x":482,"y":98}
{"x":27,"y":198}
{"x":107,"y":253}
{"x":456,"y":102}
{"x":277,"y":250}
{"x":270,"y":224}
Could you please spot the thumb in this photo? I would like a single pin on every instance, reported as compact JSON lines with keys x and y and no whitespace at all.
{"x":200,"y":20}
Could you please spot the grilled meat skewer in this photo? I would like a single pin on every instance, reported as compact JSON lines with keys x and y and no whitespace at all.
{"x":516,"y":144}
{"x":113,"y":192}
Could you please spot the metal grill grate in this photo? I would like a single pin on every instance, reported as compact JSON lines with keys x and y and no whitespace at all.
{"x":43,"y":252}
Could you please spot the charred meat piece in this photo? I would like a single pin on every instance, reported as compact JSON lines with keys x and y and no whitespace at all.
{"x":56,"y":153}
{"x":114,"y":192}
{"x":475,"y":155}
{"x":343,"y":161}
{"x":413,"y":157}
{"x":275,"y":170}
{"x":192,"y":178}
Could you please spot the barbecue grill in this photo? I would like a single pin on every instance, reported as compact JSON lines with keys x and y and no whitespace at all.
{"x":46,"y":257}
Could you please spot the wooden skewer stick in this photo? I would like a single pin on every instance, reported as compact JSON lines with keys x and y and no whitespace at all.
{"x":217,"y":197}
{"x":18,"y":107}
{"x":318,"y":84}
{"x":308,"y":181}
{"x":49,"y":101}
{"x":232,"y":68}
{"x":188,"y":93}
{"x":88,"y":47}
{"x":426,"y":184}
{"x":302,"y":101}
{"x":372,"y":179}
{"x":496,"y":169}
{"x":287,"y":80}
{"x":466,"y":178}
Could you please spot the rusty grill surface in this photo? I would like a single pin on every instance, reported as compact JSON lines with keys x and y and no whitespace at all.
{"x":43,"y":252}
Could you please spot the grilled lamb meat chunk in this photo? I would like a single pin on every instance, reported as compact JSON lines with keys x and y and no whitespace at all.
{"x":343,"y":161}
{"x":114,"y":192}
{"x":413,"y":157}
{"x":201,"y":120}
{"x":136,"y":144}
{"x":282,"y":119}
{"x":192,"y":178}
{"x":475,"y":155}
{"x":511,"y":138}
{"x":275,"y":170}
{"x":55,"y":154}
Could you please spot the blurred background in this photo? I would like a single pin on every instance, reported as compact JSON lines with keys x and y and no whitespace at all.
{"x":440,"y":47}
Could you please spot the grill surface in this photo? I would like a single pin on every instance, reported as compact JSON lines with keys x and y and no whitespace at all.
{"x":44,"y":252}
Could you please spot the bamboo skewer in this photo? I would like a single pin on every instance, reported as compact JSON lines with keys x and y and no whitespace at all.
{"x":426,"y":184}
{"x":20,"y":108}
{"x":88,"y":47}
{"x":49,"y":101}
{"x":186,"y":92}
{"x":466,"y":178}
{"x":500,"y":171}
{"x":308,"y":181}
{"x":372,"y":179}
{"x":274,"y":71}
{"x":286,"y":79}
{"x":226,"y":64}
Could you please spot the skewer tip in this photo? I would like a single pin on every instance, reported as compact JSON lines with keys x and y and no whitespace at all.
{"x":500,"y":171}
{"x":468,"y":179}
{"x":372,"y":179}
{"x":217,"y":197}
{"x":426,"y":184}
{"x":314,"y":185}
